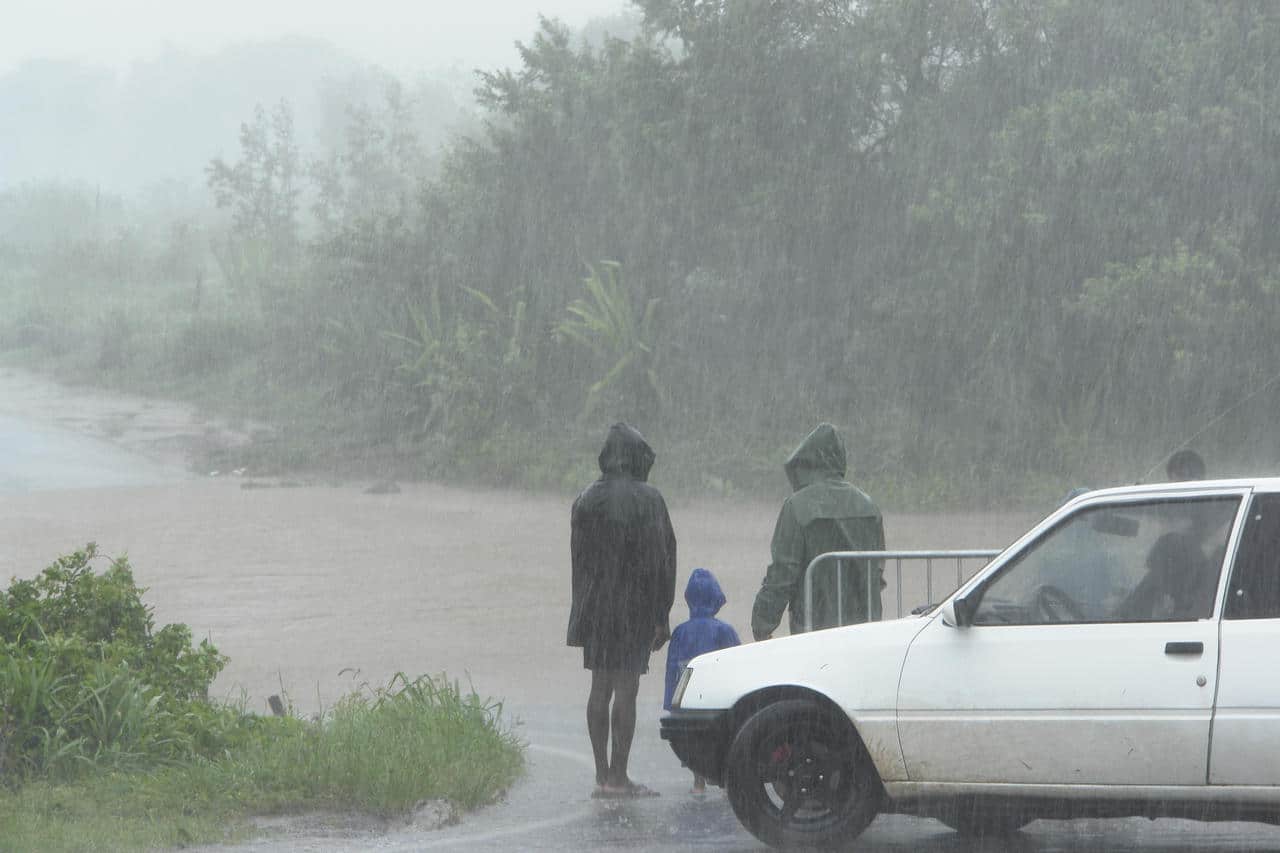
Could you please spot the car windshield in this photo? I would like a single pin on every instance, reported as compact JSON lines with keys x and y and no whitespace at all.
{"x":1145,"y":562}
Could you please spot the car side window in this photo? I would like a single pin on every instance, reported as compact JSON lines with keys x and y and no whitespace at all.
{"x":1136,"y":562}
{"x":1254,"y":591}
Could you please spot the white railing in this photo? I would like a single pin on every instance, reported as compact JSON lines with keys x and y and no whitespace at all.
{"x":840,"y":559}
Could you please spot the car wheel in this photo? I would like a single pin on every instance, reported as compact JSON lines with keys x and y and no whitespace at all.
{"x":798,"y":777}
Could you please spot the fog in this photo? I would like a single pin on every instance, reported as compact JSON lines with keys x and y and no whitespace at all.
{"x":321,"y":313}
{"x":404,"y":37}
{"x":1002,"y":262}
{"x":126,"y":95}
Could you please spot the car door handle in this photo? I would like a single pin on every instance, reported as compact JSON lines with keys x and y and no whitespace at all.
{"x":1184,"y":648}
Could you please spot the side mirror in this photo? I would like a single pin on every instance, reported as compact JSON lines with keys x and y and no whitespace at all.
{"x":947,"y":614}
{"x":958,"y":613}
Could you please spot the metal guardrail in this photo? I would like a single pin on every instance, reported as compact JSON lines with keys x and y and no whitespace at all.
{"x":841,"y":558}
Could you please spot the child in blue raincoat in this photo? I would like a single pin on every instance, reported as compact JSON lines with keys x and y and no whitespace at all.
{"x":701,"y":634}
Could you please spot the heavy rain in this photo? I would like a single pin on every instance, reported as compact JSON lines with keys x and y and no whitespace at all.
{"x":429,"y":426}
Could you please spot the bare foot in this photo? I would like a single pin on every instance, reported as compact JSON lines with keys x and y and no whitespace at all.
{"x":628,"y":791}
{"x":635,"y":789}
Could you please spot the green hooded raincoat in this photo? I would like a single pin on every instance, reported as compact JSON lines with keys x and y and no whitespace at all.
{"x":824,"y":513}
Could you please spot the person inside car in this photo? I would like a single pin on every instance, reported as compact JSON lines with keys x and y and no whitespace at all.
{"x":1179,"y":585}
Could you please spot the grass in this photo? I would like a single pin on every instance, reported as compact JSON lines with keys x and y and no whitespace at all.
{"x":378,"y":751}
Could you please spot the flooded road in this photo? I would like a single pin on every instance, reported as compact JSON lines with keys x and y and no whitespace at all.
{"x":298,"y":585}
{"x":41,"y":457}
{"x":53,"y":437}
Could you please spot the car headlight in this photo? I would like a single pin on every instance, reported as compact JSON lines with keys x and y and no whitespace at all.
{"x":680,"y":686}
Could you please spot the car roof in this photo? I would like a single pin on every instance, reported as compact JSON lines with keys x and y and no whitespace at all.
{"x":1257,"y":484}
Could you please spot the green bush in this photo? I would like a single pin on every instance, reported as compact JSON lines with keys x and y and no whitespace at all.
{"x":379,"y":750}
{"x":108,"y":740}
{"x":87,"y":681}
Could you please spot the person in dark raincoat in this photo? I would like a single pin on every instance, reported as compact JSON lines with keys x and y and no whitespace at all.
{"x":824,"y":513}
{"x":624,"y":577}
{"x":701,"y":634}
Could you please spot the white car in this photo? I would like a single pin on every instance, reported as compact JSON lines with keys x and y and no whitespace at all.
{"x":1121,"y":658}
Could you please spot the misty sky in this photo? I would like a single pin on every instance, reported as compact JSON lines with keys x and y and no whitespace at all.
{"x":401,"y":35}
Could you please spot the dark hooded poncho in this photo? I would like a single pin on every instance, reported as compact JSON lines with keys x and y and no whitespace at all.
{"x":624,"y":559}
{"x":825,"y":513}
{"x":702,"y":633}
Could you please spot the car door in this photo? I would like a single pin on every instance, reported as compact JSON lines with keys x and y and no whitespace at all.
{"x":1246,"y":723}
{"x":1091,"y":657}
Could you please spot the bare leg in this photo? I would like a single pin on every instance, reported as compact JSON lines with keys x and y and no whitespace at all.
{"x":598,"y":721}
{"x":699,"y":784}
{"x":625,"y":687}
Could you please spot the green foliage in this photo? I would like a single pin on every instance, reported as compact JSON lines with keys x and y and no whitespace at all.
{"x":262,"y":189}
{"x":87,"y":681}
{"x":68,"y":598}
{"x":369,"y":184}
{"x":379,"y":751}
{"x":107,"y":736}
{"x":607,"y":326}
{"x":1002,"y":241}
{"x":382,"y":750}
{"x":467,"y":372}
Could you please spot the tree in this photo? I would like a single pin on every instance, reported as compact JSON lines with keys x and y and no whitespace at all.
{"x":262,"y":190}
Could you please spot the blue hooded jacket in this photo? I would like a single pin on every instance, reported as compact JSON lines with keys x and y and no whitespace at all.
{"x":702,"y":633}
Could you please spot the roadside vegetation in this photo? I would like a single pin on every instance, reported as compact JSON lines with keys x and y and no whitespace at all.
{"x":1010,"y":247}
{"x":109,"y":741}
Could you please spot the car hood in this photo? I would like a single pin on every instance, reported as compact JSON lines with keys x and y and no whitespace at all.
{"x":857,"y":667}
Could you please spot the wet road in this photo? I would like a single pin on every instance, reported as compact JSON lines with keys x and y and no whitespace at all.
{"x":40,"y":457}
{"x":551,"y":810}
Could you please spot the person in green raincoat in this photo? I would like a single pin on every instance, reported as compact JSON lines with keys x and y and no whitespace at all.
{"x":824,"y":513}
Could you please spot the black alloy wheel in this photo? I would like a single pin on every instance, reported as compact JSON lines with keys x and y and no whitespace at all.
{"x":798,"y":777}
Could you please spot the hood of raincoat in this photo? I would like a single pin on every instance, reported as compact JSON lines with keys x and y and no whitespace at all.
{"x":820,"y":456}
{"x":703,"y":595}
{"x":626,"y":453}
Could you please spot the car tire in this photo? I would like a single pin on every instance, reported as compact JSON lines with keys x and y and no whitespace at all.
{"x":798,"y":777}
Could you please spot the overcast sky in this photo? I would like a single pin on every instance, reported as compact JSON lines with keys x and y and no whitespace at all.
{"x":400,"y":34}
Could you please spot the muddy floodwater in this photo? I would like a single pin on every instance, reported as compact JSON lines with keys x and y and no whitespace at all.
{"x":299,"y":583}
{"x":314,"y":589}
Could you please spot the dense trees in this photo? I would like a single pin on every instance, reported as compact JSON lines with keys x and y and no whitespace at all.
{"x":994,"y":238}
{"x":1001,"y":241}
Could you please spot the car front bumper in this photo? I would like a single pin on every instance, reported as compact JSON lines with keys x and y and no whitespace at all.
{"x":699,"y":739}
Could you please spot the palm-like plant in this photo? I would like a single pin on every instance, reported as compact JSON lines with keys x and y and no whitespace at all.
{"x":606,"y":324}
{"x":462,"y":371}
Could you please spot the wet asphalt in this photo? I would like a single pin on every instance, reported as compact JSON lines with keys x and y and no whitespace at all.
{"x":42,"y":457}
{"x":551,"y":809}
